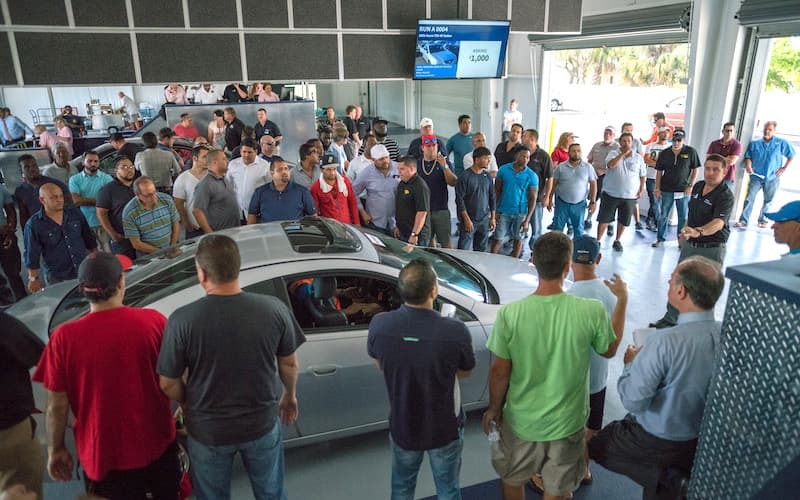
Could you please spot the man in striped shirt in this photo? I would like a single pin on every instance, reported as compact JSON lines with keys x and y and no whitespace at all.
{"x":150,"y":219}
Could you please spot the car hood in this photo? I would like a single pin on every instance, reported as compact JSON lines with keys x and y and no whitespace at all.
{"x":37,"y":309}
{"x":512,"y":278}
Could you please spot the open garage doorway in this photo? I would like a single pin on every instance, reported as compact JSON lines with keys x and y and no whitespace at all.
{"x":594,"y":87}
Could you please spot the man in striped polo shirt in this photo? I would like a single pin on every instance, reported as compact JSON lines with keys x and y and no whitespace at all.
{"x":150,"y":219}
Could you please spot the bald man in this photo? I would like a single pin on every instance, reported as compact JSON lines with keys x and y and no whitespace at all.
{"x":58,"y":234}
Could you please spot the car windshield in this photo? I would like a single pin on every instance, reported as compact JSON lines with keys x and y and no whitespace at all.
{"x":451,"y":271}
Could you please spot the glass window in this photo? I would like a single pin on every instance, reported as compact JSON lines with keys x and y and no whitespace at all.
{"x":452,"y":271}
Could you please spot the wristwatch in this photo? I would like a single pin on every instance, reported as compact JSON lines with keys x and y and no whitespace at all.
{"x":412,"y":234}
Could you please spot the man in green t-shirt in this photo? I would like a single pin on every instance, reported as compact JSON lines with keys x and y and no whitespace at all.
{"x":539,"y":379}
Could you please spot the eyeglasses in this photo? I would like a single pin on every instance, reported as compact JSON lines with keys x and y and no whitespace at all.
{"x":727,"y":130}
{"x":126,"y":167}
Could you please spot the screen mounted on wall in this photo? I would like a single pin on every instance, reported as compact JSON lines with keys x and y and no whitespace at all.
{"x":460,"y":49}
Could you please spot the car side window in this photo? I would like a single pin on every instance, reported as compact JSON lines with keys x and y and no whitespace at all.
{"x":323,"y":302}
{"x":461,"y":313}
{"x":267,"y":287}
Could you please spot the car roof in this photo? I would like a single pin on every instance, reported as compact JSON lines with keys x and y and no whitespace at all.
{"x":273,"y":243}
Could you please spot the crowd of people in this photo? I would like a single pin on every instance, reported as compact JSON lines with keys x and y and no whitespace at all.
{"x":547,"y":388}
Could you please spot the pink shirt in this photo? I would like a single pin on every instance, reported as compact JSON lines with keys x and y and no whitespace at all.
{"x":66,"y":137}
{"x":268,"y":97}
{"x":47,"y":139}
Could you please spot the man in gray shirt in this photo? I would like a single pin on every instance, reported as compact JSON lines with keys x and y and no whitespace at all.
{"x":232,"y":346}
{"x":159,"y":165}
{"x":475,"y":203}
{"x":379,"y":180}
{"x":573,"y":180}
{"x":215,"y":203}
{"x":597,"y":157}
{"x":664,"y":386}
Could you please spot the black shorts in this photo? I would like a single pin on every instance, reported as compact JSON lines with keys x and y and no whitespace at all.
{"x":609,"y":206}
{"x":597,"y":403}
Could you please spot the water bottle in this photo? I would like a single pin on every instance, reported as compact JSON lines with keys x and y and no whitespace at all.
{"x":494,"y":434}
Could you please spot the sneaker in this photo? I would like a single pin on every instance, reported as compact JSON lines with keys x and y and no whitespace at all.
{"x":617,"y":246}
{"x":610,"y":230}
{"x":652,"y":226}
{"x":739,"y":224}
{"x":551,"y":227}
{"x":587,"y":224}
{"x":764,"y":224}
{"x":657,"y":243}
{"x":569,"y":231}
{"x":639,"y":226}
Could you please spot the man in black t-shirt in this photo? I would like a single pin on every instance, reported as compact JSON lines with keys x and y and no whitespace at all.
{"x":233,"y":344}
{"x":706,"y":231}
{"x":542,"y":164}
{"x":111,"y":201}
{"x":421,"y":355}
{"x":411,"y":205}
{"x":437,"y":172}
{"x":233,"y":129}
{"x":676,"y":170}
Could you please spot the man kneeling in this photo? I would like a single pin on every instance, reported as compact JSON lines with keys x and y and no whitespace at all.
{"x":664,"y":385}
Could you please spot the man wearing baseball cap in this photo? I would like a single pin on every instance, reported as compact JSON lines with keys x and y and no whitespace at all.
{"x":333,"y":193}
{"x":676,"y":170}
{"x":786,"y":228}
{"x":425,"y":128}
{"x":103,"y":368}
{"x":436,"y":170}
{"x":379,"y":181}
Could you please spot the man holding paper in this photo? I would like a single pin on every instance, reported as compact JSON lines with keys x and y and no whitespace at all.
{"x":664,"y":385}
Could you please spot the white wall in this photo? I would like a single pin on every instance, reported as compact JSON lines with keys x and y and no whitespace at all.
{"x":390,"y":102}
{"x":339,"y":95}
{"x":444,"y":100}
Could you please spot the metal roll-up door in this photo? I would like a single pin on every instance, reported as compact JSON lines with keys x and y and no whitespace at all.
{"x":771,"y":18}
{"x":657,"y":25}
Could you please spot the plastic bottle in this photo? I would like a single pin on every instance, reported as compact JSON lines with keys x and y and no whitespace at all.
{"x":494,"y":434}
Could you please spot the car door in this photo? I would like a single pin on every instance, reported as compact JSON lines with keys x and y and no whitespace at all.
{"x":473,"y":388}
{"x":339,"y":386}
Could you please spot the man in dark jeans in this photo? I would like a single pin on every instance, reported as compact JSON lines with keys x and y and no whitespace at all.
{"x":111,"y":201}
{"x":10,"y":259}
{"x":21,"y":457}
{"x":421,"y":355}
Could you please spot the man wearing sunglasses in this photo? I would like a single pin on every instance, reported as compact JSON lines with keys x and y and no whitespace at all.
{"x":676,"y":170}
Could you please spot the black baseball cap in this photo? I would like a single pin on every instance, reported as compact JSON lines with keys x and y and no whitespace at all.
{"x":101,"y":270}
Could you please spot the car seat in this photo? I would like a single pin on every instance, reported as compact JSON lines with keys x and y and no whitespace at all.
{"x":322,"y":304}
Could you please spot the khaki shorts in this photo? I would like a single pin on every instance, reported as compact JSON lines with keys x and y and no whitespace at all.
{"x":562,"y":463}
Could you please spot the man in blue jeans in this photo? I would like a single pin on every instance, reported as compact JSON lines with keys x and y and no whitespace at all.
{"x":676,"y":170}
{"x":763,"y":162}
{"x":573,"y":181}
{"x":516,"y":186}
{"x":421,"y":355}
{"x":231,"y":344}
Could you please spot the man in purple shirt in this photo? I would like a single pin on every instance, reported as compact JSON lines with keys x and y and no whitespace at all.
{"x":730,"y":148}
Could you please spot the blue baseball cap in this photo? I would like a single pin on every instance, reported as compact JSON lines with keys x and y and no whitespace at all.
{"x":585,"y":249}
{"x":790,"y":211}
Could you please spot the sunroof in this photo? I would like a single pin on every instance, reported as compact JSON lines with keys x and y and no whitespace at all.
{"x":320,"y":235}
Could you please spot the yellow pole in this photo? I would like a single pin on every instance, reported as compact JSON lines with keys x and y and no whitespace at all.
{"x":551,"y":133}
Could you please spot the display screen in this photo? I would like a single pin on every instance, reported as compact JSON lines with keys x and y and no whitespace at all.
{"x":460,"y":49}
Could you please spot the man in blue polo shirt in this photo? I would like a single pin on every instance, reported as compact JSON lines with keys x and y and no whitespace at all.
{"x":516,"y":186}
{"x":763,"y":162}
{"x":84,"y":187}
{"x":421,"y":354}
{"x":280,"y":199}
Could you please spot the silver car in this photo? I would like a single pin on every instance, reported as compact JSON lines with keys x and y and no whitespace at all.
{"x":340,"y":390}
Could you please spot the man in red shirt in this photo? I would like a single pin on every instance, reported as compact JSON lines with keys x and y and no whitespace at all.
{"x":103,"y":368}
{"x":185,"y":128}
{"x":333,"y":194}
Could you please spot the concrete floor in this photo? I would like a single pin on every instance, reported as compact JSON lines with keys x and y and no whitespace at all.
{"x":359,"y":467}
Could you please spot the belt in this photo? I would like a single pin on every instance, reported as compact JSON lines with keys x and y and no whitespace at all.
{"x":706,"y":245}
